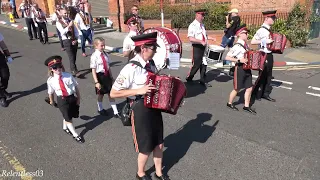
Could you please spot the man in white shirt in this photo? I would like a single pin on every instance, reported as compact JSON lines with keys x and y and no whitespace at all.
{"x":198,"y":37}
{"x":263,"y":38}
{"x":82,"y":22}
{"x":54,"y":19}
{"x":29,"y":21}
{"x":69,"y":35}
{"x":128,"y":44}
{"x":39,"y":18}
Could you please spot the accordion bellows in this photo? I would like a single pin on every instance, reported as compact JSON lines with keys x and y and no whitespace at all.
{"x":279,"y":43}
{"x":168,"y":95}
{"x":256,"y":60}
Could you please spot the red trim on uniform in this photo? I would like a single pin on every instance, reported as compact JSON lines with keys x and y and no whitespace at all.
{"x":192,"y":60}
{"x":55,"y":61}
{"x":235,"y":78}
{"x":131,"y":19}
{"x":242,"y":29}
{"x":134,"y":132}
{"x":142,"y":42}
{"x":269,"y":15}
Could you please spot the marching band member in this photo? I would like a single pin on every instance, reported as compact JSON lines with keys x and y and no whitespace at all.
{"x":39,"y":18}
{"x":69,"y":36}
{"x":64,"y":86}
{"x":55,"y":17}
{"x":4,"y":72}
{"x":198,"y":37}
{"x":147,"y":124}
{"x":262,"y":37}
{"x":102,"y":76}
{"x":128,"y":44}
{"x":29,"y":21}
{"x":82,"y":22}
{"x":242,"y":78}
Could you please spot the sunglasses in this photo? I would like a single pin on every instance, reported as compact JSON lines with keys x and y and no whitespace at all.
{"x":56,"y":67}
{"x":133,"y":24}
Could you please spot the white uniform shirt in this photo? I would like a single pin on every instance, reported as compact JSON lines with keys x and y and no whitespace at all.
{"x":197,"y":30}
{"x":131,"y":76}
{"x":128,"y":44}
{"x":96,"y":61}
{"x":263,"y":34}
{"x":237,"y":50}
{"x":63,"y":31}
{"x":54,"y":16}
{"x":27,"y":11}
{"x":80,"y":22}
{"x":36,"y":14}
{"x":69,"y":82}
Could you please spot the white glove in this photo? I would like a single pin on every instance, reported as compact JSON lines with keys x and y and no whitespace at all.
{"x":36,"y":24}
{"x":9,"y":60}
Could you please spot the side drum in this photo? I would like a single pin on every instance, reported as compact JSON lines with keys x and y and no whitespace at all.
{"x":214,"y":54}
{"x":169,"y":42}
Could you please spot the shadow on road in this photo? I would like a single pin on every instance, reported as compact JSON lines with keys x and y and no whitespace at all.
{"x":179,"y":142}
{"x":98,"y":119}
{"x":26,"y":93}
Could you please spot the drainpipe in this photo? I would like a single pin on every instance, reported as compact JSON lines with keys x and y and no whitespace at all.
{"x":119,"y":22}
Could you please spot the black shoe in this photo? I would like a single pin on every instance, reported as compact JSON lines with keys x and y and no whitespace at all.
{"x":3,"y":102}
{"x":145,"y":177}
{"x":189,"y":80}
{"x":103,"y":112}
{"x":67,"y":131}
{"x":268,"y":98}
{"x":79,"y":139}
{"x":162,"y":177}
{"x":233,"y":107}
{"x":8,"y":95}
{"x":117,"y":116}
{"x":249,"y":110}
{"x":205,"y":84}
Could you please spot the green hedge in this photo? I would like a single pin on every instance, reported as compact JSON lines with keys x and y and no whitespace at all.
{"x":181,"y":16}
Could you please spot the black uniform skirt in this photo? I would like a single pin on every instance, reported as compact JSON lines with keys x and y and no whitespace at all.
{"x":242,"y":78}
{"x":105,"y":82}
{"x":68,"y":107}
{"x":147,"y":127}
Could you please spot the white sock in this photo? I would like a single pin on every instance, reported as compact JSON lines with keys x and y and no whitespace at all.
{"x":64,"y":127}
{"x":72,"y":130}
{"x":100,"y":106}
{"x":114,"y":107}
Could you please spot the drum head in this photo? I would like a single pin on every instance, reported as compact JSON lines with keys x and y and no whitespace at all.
{"x":168,"y":41}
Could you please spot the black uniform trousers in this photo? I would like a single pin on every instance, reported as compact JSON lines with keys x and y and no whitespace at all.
{"x":197,"y":55}
{"x":264,"y":79}
{"x":30,"y":24}
{"x":42,"y":27}
{"x":72,"y":53}
{"x":4,"y":75}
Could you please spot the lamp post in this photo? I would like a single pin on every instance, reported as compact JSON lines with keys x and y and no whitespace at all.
{"x":162,"y":16}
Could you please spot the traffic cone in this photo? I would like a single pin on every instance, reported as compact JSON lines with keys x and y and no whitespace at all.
{"x":11,"y":18}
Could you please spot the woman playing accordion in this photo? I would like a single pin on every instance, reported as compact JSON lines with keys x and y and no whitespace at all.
{"x":242,"y":77}
{"x":147,"y":124}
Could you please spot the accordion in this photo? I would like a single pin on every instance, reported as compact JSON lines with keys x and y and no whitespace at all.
{"x":279,"y":43}
{"x":168,"y":95}
{"x":256,"y":60}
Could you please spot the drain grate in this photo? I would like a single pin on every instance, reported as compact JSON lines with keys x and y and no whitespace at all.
{"x":302,"y":74}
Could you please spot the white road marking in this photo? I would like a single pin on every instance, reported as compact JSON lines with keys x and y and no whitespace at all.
{"x":313,"y":94}
{"x":14,"y":25}
{"x":314,"y":88}
{"x":276,"y":80}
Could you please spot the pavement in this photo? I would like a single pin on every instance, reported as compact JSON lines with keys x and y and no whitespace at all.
{"x":205,"y":140}
{"x":114,"y":40}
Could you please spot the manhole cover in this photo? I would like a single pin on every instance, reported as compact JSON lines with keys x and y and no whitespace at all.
{"x":302,"y":74}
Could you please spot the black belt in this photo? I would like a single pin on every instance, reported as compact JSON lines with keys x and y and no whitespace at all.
{"x":65,"y":97}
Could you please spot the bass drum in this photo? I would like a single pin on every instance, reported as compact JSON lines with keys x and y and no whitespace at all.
{"x":169,"y":42}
